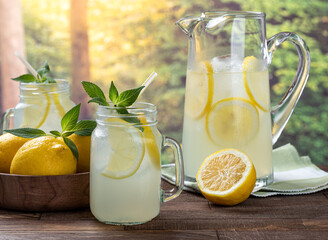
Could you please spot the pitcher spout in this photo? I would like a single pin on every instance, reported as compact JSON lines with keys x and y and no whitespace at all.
{"x":188,"y":24}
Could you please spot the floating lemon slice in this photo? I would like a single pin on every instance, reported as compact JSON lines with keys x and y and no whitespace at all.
{"x":127,"y":150}
{"x":200,"y":91}
{"x":226,"y":177}
{"x":36,"y":112}
{"x":255,"y":83}
{"x":151,"y":144}
{"x":232,"y":121}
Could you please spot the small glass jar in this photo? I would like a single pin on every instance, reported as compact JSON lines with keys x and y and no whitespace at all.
{"x":125,"y":165}
{"x":41,"y":105}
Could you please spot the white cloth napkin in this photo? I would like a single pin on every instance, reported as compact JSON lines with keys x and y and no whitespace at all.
{"x":293,"y":174}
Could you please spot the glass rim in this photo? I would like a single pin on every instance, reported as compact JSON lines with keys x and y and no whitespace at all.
{"x":138,"y":109}
{"x":136,"y":106}
{"x":58,"y":81}
{"x":240,"y":14}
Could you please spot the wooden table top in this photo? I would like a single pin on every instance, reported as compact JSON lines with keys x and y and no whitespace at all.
{"x":188,"y":217}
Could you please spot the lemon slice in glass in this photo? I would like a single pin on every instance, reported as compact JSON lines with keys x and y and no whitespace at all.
{"x":255,"y":82}
{"x":36,"y":111}
{"x":151,"y":144}
{"x":199,"y":93}
{"x":127,"y":150}
{"x":232,"y":121}
{"x":226,"y":177}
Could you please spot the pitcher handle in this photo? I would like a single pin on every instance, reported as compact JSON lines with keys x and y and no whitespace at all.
{"x":5,"y":120}
{"x":179,"y":168}
{"x":281,"y":113}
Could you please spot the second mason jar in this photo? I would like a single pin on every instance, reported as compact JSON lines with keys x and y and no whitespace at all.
{"x":41,"y":105}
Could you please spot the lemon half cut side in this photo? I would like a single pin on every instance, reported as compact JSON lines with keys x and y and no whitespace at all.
{"x":226,"y":177}
{"x":232,"y":121}
{"x":127,"y":151}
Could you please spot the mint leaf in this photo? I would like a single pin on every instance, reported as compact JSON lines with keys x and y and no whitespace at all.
{"x":69,"y":120}
{"x":72,"y":146}
{"x":113,"y":93}
{"x":94,"y":91}
{"x":26,"y":132}
{"x":50,"y":79}
{"x":85,"y":124}
{"x":44,"y":70}
{"x":82,"y":128}
{"x":84,"y":132}
{"x":56,"y":133}
{"x":99,"y":100}
{"x":26,"y":78}
{"x":128,"y":97}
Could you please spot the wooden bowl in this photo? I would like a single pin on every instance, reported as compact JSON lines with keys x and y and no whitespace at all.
{"x":44,"y":193}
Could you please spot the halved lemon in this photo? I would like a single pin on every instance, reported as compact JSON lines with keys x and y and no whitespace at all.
{"x":232,"y":121}
{"x":127,"y":150}
{"x":199,"y":92}
{"x":226,"y":177}
{"x":256,"y":83}
{"x":151,"y":144}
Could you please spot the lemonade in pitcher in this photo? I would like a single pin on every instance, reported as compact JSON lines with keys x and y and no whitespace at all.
{"x":228,"y":109}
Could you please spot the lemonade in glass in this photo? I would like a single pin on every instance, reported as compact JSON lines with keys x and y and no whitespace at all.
{"x":125,"y":165}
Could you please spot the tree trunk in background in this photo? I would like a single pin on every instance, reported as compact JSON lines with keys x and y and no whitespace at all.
{"x":11,"y":39}
{"x":80,"y":53}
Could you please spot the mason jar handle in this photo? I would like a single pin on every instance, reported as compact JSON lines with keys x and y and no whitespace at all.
{"x":179,"y":168}
{"x":6,"y":119}
{"x":281,"y":113}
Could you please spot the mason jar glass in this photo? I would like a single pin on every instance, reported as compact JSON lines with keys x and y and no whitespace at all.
{"x":41,"y":105}
{"x":125,"y":165}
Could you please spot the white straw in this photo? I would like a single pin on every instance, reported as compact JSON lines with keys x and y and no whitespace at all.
{"x":148,"y":81}
{"x":27,"y":65}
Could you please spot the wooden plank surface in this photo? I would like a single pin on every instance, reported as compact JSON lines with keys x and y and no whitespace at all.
{"x":188,"y":217}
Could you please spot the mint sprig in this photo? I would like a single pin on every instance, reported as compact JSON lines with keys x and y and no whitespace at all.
{"x":121,"y":101}
{"x":125,"y":99}
{"x":43,"y":76}
{"x":69,"y":124}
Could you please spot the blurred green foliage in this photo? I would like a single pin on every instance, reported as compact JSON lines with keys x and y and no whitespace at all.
{"x":130,"y":39}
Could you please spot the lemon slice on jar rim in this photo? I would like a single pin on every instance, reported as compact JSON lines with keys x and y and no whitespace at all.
{"x":226,"y":177}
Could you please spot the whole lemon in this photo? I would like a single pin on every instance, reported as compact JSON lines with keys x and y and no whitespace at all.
{"x":9,"y":145}
{"x":44,"y":156}
{"x":83,"y":144}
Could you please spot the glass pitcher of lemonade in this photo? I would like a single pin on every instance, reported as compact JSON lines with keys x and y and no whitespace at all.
{"x":227,"y":102}
{"x":41,"y":105}
{"x":125,"y":165}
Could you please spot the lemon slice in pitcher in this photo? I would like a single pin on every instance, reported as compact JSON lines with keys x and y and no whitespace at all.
{"x":199,"y":93}
{"x":127,"y":150}
{"x":256,"y":83}
{"x":232,"y":121}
